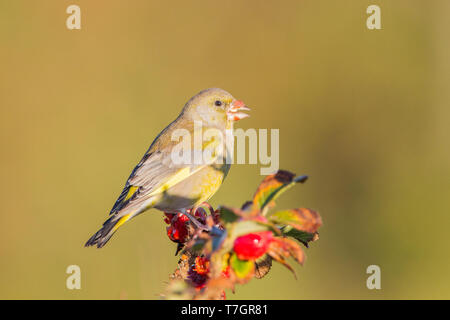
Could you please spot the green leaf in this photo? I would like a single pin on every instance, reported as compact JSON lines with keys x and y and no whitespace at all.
{"x":273,"y":186}
{"x":248,"y":226}
{"x":227,"y":215}
{"x":302,"y":236}
{"x":301,"y":219}
{"x":242,"y":268}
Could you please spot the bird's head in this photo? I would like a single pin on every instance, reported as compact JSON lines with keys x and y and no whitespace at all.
{"x":215,"y":107}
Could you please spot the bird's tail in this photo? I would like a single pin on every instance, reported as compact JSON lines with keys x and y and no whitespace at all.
{"x":102,"y":236}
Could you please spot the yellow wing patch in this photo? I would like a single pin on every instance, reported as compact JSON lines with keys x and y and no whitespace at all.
{"x":176,"y":178}
{"x":121,"y":221}
{"x":131,"y":192}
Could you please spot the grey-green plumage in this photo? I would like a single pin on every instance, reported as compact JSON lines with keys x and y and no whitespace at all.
{"x":158,"y":182}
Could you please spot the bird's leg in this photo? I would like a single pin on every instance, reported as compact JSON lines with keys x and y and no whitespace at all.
{"x":197,"y":223}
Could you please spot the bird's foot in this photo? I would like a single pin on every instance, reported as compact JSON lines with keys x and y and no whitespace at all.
{"x":194,"y":221}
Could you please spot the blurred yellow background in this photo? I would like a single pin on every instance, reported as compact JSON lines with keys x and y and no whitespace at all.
{"x":365,"y":113}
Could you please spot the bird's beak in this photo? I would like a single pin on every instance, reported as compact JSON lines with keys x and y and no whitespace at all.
{"x":234,"y":113}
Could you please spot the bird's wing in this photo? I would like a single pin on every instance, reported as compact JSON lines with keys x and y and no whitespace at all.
{"x":154,"y":174}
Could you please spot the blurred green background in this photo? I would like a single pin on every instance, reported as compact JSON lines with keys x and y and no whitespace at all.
{"x":364,"y":113}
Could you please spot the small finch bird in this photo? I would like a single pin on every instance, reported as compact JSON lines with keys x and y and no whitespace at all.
{"x":160,"y":180}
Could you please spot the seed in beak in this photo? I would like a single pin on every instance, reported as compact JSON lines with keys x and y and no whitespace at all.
{"x":234,"y":114}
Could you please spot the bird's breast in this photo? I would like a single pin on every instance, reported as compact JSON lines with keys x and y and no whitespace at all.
{"x":195,"y":189}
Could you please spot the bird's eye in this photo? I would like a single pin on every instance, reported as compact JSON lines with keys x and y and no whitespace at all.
{"x":218,"y":103}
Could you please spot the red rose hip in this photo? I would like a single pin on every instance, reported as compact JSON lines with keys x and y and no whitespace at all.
{"x":178,"y":230}
{"x":252,"y":245}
